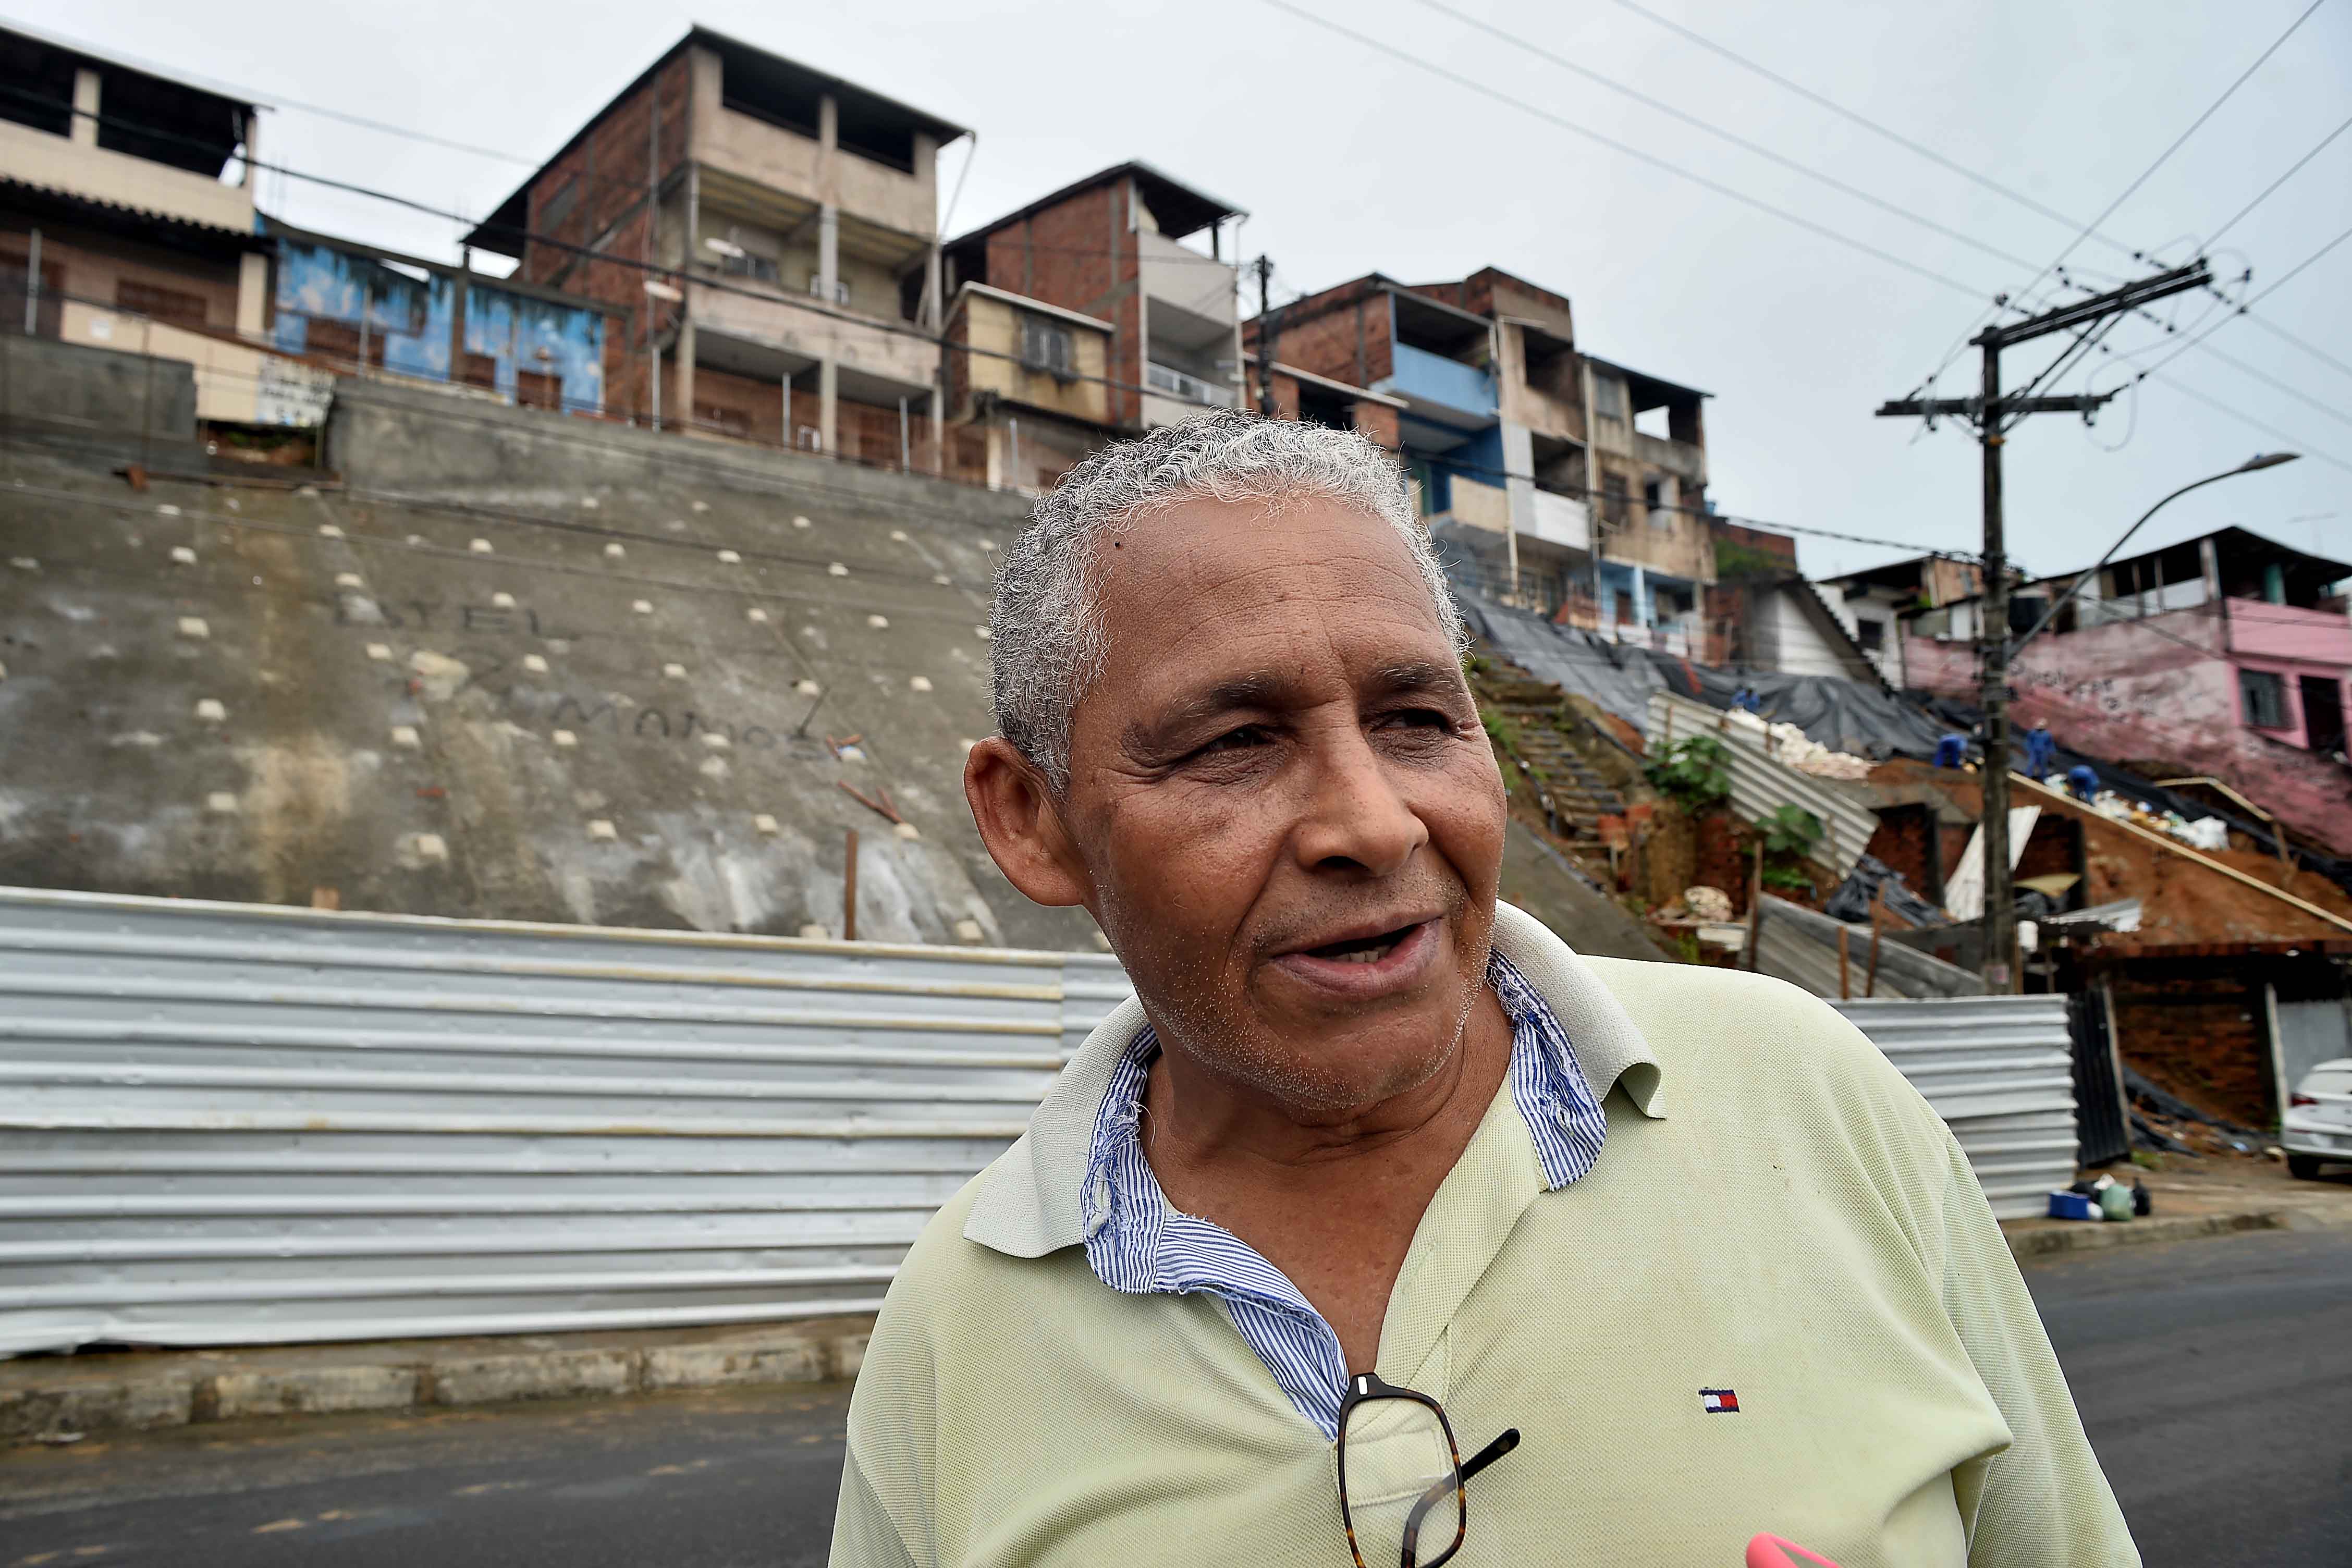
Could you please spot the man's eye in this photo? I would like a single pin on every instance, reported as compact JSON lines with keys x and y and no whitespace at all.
{"x":1248,"y":736}
{"x":1421,"y":719}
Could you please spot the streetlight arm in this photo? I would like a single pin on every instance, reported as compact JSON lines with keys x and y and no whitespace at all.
{"x":2265,"y":461}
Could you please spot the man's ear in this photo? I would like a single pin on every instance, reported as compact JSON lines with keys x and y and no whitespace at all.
{"x":1021,"y":825}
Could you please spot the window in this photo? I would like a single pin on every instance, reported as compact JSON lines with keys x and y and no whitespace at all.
{"x":1613,"y":497}
{"x":537,"y":389}
{"x":164,"y":304}
{"x":477,"y":370}
{"x":1871,"y":635}
{"x":339,"y":341}
{"x":748,"y":265}
{"x":1609,"y":397}
{"x":1654,"y":503}
{"x":2264,"y":696}
{"x":1046,"y":345}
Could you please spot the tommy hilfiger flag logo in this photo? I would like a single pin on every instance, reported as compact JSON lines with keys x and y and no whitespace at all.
{"x":1718,"y":1401}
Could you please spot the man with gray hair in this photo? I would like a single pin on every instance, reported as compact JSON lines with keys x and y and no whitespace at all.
{"x":1374,"y":1173}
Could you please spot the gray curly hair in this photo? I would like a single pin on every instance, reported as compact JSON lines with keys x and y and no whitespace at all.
{"x":1046,"y":636}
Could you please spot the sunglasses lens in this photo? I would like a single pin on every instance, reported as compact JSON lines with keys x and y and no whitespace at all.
{"x":1403,"y":1495}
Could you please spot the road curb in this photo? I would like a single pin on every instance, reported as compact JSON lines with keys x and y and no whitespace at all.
{"x":61,"y":1399}
{"x":2086,"y":1236}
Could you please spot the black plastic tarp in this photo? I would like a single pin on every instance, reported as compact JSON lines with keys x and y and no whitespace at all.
{"x":1620,"y":680}
{"x":1844,"y":715}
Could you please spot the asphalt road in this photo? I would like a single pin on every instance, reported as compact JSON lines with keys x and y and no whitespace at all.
{"x":2215,"y":1378}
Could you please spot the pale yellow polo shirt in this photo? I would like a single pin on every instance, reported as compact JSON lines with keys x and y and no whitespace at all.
{"x":1775,"y":1213}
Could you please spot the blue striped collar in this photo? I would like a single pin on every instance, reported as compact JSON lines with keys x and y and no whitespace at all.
{"x":1031,"y":1200}
{"x":1138,"y":1243}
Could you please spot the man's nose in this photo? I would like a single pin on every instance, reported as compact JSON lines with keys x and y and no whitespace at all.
{"x":1354,"y":815}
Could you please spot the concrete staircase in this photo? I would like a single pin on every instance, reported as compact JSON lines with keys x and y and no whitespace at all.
{"x":1577,"y":797}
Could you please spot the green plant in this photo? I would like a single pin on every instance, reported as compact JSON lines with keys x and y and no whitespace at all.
{"x":1788,"y":837}
{"x":1790,"y":833}
{"x":1696,"y":773}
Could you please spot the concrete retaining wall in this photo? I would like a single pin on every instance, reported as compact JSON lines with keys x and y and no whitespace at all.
{"x":97,"y":400}
{"x":418,"y":441}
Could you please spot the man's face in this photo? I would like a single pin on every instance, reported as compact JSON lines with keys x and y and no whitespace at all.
{"x":1287,"y":809}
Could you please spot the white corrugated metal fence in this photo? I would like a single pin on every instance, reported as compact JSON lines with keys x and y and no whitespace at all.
{"x":237,"y":1124}
{"x":225,"y":1123}
{"x":1999,"y":1070}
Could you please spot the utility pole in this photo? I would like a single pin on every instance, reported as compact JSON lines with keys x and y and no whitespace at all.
{"x":1267,"y":334}
{"x":1993,"y":416}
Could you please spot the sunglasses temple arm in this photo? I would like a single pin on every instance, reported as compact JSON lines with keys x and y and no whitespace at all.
{"x":1491,"y":1452}
{"x":1438,"y":1493}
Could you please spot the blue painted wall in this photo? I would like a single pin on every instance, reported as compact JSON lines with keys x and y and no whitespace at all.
{"x":1480,"y":458}
{"x":411,"y":317}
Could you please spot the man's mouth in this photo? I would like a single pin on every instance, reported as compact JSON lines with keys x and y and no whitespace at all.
{"x":1368,"y":963}
{"x":1365,"y":948}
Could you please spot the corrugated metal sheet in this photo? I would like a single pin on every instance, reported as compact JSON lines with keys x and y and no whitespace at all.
{"x":1760,"y":783}
{"x":235,"y":1124}
{"x":228,"y":1123}
{"x":1799,"y":945}
{"x":1998,"y":1070}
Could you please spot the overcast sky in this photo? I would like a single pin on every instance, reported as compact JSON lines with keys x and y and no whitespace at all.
{"x":1350,"y":161}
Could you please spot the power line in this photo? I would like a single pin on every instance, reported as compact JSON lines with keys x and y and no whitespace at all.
{"x":2305,"y":448}
{"x":1484,"y":90}
{"x":272,"y":100}
{"x":2284,"y":335}
{"x":1873,"y":126}
{"x":2242,"y":310}
{"x":1759,"y":149}
{"x":2291,"y":171}
{"x":2161,"y":159}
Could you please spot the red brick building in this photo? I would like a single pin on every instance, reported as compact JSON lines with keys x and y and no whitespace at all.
{"x":1135,"y":252}
{"x":773,"y":231}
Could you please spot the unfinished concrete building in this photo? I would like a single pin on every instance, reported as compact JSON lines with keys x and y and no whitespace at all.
{"x":1564,"y":484}
{"x":1127,"y":267}
{"x":775,"y":231}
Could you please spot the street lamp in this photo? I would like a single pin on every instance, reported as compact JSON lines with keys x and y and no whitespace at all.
{"x":2259,"y":460}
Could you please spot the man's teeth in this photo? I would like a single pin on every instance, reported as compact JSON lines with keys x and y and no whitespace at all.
{"x":1366,"y":956}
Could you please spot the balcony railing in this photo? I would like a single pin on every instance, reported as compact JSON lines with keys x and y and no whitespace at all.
{"x":1424,"y":377}
{"x":1190,"y":388}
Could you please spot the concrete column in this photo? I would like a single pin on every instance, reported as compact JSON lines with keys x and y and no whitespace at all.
{"x":926,"y":166}
{"x":251,"y":133}
{"x":1518,"y":470}
{"x":828,"y":187}
{"x":828,"y":253}
{"x":684,"y":413}
{"x":1643,"y":616}
{"x":85,"y":102}
{"x":252,"y":294}
{"x":460,"y":287}
{"x":828,"y":402}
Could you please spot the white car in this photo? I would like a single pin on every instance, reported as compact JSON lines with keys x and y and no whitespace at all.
{"x":2318,"y":1124}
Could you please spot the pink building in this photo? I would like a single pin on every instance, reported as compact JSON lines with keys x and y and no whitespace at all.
{"x":2226,"y":657}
